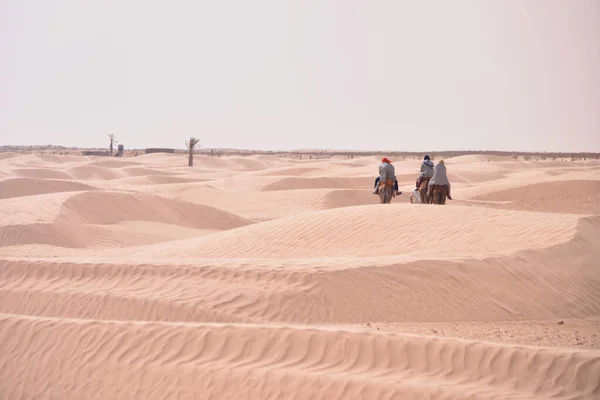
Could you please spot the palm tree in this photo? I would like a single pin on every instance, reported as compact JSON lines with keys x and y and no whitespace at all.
{"x":191,"y":145}
{"x":111,"y":136}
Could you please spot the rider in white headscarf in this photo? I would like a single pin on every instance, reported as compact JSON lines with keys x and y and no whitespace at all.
{"x":440,"y":177}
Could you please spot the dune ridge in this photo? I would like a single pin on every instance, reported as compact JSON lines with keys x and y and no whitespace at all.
{"x":262,"y":277}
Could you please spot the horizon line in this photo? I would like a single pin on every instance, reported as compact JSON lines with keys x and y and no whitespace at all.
{"x":4,"y":148}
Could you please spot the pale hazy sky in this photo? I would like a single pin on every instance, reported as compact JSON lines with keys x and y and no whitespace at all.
{"x":276,"y":74}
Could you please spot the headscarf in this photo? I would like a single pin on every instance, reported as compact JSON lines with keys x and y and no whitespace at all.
{"x":427,"y":161}
{"x":385,"y":160}
{"x":439,"y":175}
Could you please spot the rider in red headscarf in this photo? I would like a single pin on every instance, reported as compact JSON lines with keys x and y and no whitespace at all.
{"x":386,"y":163}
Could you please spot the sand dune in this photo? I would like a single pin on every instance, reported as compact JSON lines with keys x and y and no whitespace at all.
{"x":116,"y":163}
{"x":233,"y":183}
{"x":270,"y":204}
{"x":76,"y":224}
{"x":262,"y":277}
{"x":288,"y":171}
{"x":19,"y":187}
{"x":47,"y":159}
{"x":319,"y":183}
{"x":573,"y":196}
{"x":256,"y":205}
{"x":141,"y":171}
{"x":92,"y":172}
{"x":135,"y":233}
{"x":577,"y":189}
{"x":234,"y":163}
{"x":474,"y":177}
{"x":59,"y":159}
{"x":112,"y":360}
{"x":181,"y":288}
{"x":112,"y":207}
{"x":157,"y":180}
{"x":355,"y":197}
{"x":41,"y":173}
{"x":368,"y":231}
{"x":42,"y":208}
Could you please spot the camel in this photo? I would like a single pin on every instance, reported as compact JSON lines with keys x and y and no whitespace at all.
{"x":437,"y":194}
{"x":386,"y":191}
{"x":422,"y":189}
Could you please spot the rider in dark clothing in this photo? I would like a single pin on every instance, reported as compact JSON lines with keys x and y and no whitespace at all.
{"x":426,"y":170}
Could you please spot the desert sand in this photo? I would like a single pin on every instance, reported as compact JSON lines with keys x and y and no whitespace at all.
{"x":258,"y":277}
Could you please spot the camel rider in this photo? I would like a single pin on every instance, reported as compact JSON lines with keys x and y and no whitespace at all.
{"x":440,"y":178}
{"x":386,"y":171}
{"x":426,"y":170}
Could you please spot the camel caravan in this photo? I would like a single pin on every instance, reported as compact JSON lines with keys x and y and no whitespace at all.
{"x":432,"y":186}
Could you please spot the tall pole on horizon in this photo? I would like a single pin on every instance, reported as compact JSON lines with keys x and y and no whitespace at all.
{"x":111,"y":136}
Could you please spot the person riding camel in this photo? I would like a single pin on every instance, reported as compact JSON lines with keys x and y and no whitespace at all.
{"x":386,"y":171}
{"x":426,"y":170}
{"x":440,"y":178}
